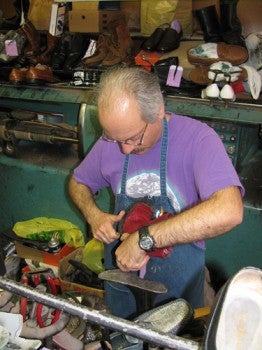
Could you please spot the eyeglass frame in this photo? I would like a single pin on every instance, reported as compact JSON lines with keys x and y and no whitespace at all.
{"x":104,"y":137}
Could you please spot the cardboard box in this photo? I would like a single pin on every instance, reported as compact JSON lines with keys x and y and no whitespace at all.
{"x":91,"y":21}
{"x":64,"y":269}
{"x":131,"y":10}
{"x":53,"y":259}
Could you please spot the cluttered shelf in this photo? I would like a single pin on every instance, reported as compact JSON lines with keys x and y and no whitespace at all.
{"x":242,"y":110}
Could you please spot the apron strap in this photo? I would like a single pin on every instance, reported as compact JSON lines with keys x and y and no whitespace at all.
{"x":163,"y":163}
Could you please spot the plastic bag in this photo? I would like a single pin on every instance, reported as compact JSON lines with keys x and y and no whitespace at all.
{"x":93,"y":256}
{"x":43,"y":228}
{"x":152,"y":17}
{"x":165,"y":11}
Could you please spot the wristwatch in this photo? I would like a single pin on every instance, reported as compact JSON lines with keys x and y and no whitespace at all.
{"x":146,"y":241}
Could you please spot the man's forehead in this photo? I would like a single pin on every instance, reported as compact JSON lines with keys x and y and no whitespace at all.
{"x":120,"y":110}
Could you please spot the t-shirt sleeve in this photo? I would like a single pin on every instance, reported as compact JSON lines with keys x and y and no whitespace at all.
{"x":213,"y":169}
{"x":88,"y":172}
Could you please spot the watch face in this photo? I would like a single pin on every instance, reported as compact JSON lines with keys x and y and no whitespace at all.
{"x":146,"y":243}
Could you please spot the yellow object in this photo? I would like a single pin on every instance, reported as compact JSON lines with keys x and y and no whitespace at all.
{"x":43,"y":229}
{"x":202,"y":312}
{"x":165,"y":11}
{"x":93,"y":256}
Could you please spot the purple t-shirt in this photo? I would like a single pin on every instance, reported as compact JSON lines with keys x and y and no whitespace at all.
{"x":197,"y":166}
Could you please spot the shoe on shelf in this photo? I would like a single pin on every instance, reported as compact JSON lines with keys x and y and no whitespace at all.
{"x":101,"y":51}
{"x":171,"y":38}
{"x":209,"y":53}
{"x":40,"y":74}
{"x":221,"y":71}
{"x":33,"y":39}
{"x":153,"y":40}
{"x":18,"y":75}
{"x":77,"y":48}
{"x":212,"y":92}
{"x":61,"y":51}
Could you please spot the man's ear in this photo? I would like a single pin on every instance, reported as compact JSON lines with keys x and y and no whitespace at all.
{"x":161,"y":112}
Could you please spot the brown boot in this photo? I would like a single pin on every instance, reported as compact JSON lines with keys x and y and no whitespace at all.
{"x":45,"y":57}
{"x":33,"y":37}
{"x":102,"y":49}
{"x":121,"y":46}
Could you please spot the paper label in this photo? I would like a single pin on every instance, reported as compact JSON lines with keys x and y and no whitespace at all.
{"x":174,"y":76}
{"x":11,"y":48}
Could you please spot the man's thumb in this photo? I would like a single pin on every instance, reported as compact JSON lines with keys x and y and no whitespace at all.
{"x":119,"y":216}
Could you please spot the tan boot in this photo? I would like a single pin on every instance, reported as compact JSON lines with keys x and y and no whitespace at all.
{"x":102,"y":49}
{"x":45,"y":57}
{"x":33,"y":37}
{"x":121,"y":47}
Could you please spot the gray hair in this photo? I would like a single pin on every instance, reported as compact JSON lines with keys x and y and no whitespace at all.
{"x":133,"y":82}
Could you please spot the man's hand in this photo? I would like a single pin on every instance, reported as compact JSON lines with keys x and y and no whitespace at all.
{"x":102,"y":226}
{"x":129,"y":256}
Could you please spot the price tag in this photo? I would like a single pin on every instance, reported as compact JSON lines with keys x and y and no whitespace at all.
{"x":11,"y":48}
{"x":174,"y":76}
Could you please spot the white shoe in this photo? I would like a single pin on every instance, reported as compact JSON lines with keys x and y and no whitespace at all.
{"x":227,"y":93}
{"x":211,"y":91}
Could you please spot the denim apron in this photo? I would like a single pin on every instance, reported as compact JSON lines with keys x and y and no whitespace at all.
{"x":182,"y":272}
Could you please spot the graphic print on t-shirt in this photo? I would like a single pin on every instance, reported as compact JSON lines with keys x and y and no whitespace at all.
{"x":148,"y":184}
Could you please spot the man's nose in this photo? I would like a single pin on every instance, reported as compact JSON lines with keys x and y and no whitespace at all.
{"x":126,"y":149}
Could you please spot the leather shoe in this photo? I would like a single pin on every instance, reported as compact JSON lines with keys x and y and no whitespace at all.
{"x":77,"y":48}
{"x":61,"y":51}
{"x":151,"y":43}
{"x":33,"y":38}
{"x":102,"y":50}
{"x":40,"y":74}
{"x":169,"y":41}
{"x":18,"y":75}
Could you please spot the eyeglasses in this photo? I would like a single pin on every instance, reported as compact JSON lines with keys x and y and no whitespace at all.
{"x":131,"y":141}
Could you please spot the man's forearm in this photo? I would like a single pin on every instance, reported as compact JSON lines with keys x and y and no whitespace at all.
{"x":217,"y":215}
{"x":83,"y":198}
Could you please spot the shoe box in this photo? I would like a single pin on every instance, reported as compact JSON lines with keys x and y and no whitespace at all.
{"x":94,"y":21}
{"x":91,"y":18}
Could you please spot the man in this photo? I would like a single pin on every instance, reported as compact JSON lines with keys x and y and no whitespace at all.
{"x":179,"y":164}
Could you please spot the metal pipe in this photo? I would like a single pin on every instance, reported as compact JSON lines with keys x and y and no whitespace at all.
{"x":100,"y":317}
{"x":32,"y":136}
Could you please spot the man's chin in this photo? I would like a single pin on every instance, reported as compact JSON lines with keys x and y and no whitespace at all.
{"x":140,"y":150}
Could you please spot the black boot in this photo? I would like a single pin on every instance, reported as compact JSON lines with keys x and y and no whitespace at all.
{"x":231,"y":29}
{"x":209,"y":23}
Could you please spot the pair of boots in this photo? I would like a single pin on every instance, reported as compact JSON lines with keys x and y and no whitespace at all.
{"x":228,"y":29}
{"x":113,"y":47}
{"x":69,"y":50}
{"x":33,"y":52}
